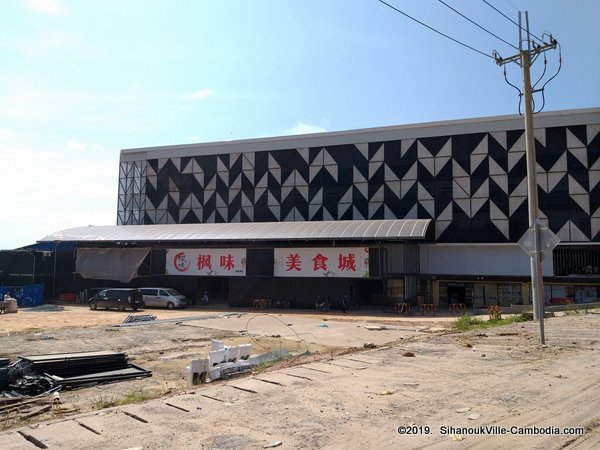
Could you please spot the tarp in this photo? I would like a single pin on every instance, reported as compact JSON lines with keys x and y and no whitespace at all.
{"x":120,"y":264}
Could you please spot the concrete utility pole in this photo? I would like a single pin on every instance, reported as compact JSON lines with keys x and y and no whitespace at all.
{"x":525,"y":59}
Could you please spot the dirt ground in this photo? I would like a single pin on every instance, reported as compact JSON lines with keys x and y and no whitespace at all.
{"x":341,"y":395}
{"x":167,"y":348}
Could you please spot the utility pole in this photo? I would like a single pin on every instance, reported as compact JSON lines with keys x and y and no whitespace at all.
{"x":525,"y":59}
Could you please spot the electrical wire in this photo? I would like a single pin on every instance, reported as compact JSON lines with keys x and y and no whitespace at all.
{"x":518,"y":90}
{"x":434,"y":30}
{"x":543,"y":73}
{"x":477,"y":25}
{"x":298,"y":339}
{"x":551,"y":78}
{"x":508,"y":18}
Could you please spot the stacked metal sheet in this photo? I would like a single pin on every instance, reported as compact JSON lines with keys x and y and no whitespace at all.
{"x":84,"y":368}
{"x":139,"y":318}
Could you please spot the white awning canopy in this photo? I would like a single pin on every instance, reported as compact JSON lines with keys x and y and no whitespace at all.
{"x":359,"y":230}
{"x":120,"y":264}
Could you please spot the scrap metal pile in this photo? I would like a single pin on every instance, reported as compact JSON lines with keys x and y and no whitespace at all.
{"x":35,"y":375}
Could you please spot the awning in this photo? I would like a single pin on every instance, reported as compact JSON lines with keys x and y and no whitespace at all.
{"x":120,"y":264}
{"x":360,"y":230}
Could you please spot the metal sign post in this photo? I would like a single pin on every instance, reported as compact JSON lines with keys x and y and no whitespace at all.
{"x":538,"y":242}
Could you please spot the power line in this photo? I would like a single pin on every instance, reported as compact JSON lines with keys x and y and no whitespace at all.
{"x":476,"y":24}
{"x":508,"y":18}
{"x":434,"y":30}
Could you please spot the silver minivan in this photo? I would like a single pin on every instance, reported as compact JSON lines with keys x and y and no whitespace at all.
{"x":163,"y":297}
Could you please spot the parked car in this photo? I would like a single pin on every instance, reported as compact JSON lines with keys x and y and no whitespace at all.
{"x":120,"y":298}
{"x":163,"y":298}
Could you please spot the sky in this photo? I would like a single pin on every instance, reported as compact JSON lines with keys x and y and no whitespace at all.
{"x":80,"y":80}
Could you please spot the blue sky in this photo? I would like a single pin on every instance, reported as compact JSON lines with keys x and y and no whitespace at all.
{"x":81,"y":80}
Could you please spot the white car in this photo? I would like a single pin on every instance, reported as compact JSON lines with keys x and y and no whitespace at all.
{"x":163,"y":298}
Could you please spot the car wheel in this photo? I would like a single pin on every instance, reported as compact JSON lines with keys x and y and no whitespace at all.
{"x":134,"y":308}
{"x":93,"y":306}
{"x":121,"y":307}
{"x":170,"y":305}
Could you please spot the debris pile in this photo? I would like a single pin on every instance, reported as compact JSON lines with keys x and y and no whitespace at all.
{"x":224,"y":361}
{"x":71,"y":370}
{"x":139,"y":318}
{"x":221,"y":360}
{"x":41,"y":374}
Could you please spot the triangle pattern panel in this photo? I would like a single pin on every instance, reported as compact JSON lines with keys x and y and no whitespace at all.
{"x":187,"y":165}
{"x":360,"y":204}
{"x":407,"y":145}
{"x":593,"y":147}
{"x":315,"y":213}
{"x":436,"y":145}
{"x":480,"y":175}
{"x":497,"y":190}
{"x":376,"y":210}
{"x":247,"y":214}
{"x":472,"y":185}
{"x":578,"y":169}
{"x":553,"y":147}
{"x":595,"y":227}
{"x":467,"y":148}
{"x":577,"y":136}
{"x":190,"y":217}
{"x":413,"y":213}
{"x":376,"y":151}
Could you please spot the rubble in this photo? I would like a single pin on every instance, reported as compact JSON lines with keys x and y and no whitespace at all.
{"x":42,"y":374}
{"x":224,"y":361}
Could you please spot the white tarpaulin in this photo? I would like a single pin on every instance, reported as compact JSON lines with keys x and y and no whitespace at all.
{"x":119,"y":264}
{"x":207,"y":261}
{"x":343,"y":262}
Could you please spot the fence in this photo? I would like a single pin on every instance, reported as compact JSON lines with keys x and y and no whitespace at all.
{"x":29,"y":295}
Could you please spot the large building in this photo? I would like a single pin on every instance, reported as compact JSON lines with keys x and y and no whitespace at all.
{"x":461,"y":185}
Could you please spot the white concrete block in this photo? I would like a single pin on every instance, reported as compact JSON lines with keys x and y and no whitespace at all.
{"x":214,"y":373}
{"x":189,"y":377}
{"x":215,"y":344}
{"x":233,"y":353}
{"x":245,"y":350}
{"x":217,"y":356}
{"x":199,"y":365}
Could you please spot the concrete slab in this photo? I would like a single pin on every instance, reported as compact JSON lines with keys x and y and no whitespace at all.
{"x":12,"y":440}
{"x":190,"y":402}
{"x":305,"y":372}
{"x":155,"y":411}
{"x":327,"y":367}
{"x":252,"y":385}
{"x":277,"y":379}
{"x":350,"y":364}
{"x":335,"y":331}
{"x":111,"y":422}
{"x":224,"y":395}
{"x":67,"y":434}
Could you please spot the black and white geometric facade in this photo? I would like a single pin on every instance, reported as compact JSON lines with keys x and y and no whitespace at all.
{"x":473,"y":184}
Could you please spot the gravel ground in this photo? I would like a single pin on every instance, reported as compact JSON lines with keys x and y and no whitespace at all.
{"x":345,"y":397}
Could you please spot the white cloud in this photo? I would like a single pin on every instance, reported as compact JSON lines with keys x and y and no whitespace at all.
{"x":49,"y":189}
{"x":5,"y":133}
{"x":50,"y":41}
{"x":50,"y":7}
{"x":304,"y":128}
{"x":76,"y":145}
{"x":136,"y":87}
{"x":200,"y":95}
